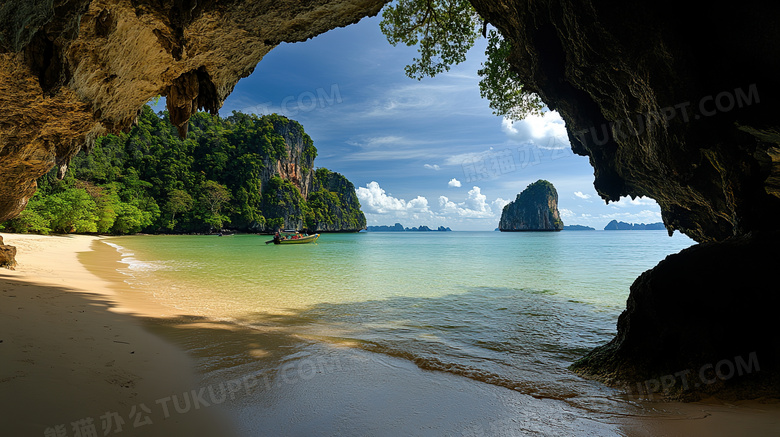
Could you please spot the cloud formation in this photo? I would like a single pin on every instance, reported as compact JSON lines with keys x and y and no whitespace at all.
{"x":475,"y":206}
{"x":454,"y":183}
{"x":626,"y":201}
{"x":547,"y":130}
{"x":375,"y":201}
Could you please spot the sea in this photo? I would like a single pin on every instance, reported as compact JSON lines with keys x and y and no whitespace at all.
{"x":509,"y":310}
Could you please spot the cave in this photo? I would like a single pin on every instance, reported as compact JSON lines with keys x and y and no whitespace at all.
{"x":678,"y":105}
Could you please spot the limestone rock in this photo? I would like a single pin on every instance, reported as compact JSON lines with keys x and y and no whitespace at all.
{"x":73,"y":70}
{"x":7,"y":255}
{"x":535,"y":209}
{"x":674,"y":105}
{"x":670,"y":104}
{"x":335,"y":200}
{"x":700,"y":314}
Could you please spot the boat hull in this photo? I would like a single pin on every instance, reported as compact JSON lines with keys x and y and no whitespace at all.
{"x":303,"y":240}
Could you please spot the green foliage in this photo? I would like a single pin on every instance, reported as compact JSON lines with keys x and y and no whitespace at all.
{"x":179,"y":201}
{"x":130,"y":219}
{"x":212,"y":199}
{"x":443,"y":31}
{"x":334,"y":204}
{"x":150,"y":180}
{"x":276,"y":223}
{"x":281,"y":198}
{"x":71,"y":210}
{"x":499,"y":84}
{"x":30,"y":221}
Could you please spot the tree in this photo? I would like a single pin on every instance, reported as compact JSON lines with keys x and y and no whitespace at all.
{"x":30,"y":219}
{"x":178,"y":201}
{"x":443,"y":31}
{"x":130,"y":219}
{"x":499,"y":84}
{"x":217,"y":175}
{"x":72,"y":210}
{"x":214,"y":196}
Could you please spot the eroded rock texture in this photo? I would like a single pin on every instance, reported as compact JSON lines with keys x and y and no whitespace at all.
{"x":7,"y":255}
{"x":73,"y":70}
{"x":703,"y":321}
{"x":535,"y":209}
{"x":682,"y":105}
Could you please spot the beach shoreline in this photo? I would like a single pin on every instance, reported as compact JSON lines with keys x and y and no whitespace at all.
{"x":75,"y":357}
{"x":82,"y":344}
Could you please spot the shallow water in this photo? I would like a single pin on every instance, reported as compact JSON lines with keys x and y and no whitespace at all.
{"x":512,"y":310}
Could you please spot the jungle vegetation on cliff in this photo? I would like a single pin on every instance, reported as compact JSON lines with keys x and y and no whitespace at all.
{"x":225,"y":174}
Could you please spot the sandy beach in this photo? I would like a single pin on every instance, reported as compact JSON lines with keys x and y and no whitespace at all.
{"x":80,"y":350}
{"x":74,"y":357}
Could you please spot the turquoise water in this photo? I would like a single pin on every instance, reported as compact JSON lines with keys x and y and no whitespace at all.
{"x":509,"y":309}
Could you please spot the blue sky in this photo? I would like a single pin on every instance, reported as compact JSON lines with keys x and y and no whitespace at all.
{"x":421,"y":152}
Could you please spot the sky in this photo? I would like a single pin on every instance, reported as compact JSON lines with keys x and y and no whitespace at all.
{"x":427,"y":152}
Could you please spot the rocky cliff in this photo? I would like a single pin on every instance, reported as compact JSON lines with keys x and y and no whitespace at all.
{"x":242,"y":172}
{"x":535,"y":209}
{"x":75,"y":69}
{"x":666,"y":103}
{"x":334,"y":204}
{"x":702,"y":322}
{"x":682,"y":106}
{"x":297,"y":160}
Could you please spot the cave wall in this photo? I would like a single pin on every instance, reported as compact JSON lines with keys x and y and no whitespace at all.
{"x":678,"y":104}
{"x":681,"y":105}
{"x":73,"y":70}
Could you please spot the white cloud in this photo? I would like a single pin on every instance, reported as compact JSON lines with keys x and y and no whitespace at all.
{"x":582,"y":195}
{"x":474,"y":206}
{"x":374,"y":199}
{"x":381,"y":207}
{"x":645,"y":216}
{"x":626,"y":201}
{"x":566,"y":213}
{"x":547,"y":130}
{"x":432,"y":167}
{"x":390,"y":148}
{"x":454,"y":183}
{"x":419,"y":204}
{"x":373,"y":142}
{"x":409,"y":100}
{"x":462,"y":158}
{"x":476,"y":200}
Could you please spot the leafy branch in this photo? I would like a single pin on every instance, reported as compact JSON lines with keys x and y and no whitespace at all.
{"x":444,"y":31}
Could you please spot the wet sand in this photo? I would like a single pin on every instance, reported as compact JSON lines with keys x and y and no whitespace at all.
{"x":78,"y":343}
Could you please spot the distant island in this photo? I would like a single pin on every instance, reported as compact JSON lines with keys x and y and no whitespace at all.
{"x":615,"y":225}
{"x":400,"y":228}
{"x":578,"y":228}
{"x":535,"y":209}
